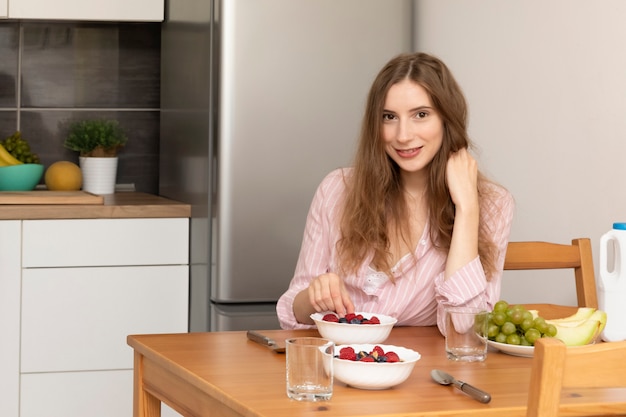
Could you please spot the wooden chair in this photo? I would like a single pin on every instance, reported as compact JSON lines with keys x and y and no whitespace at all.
{"x":545,"y":255}
{"x":556,"y":366}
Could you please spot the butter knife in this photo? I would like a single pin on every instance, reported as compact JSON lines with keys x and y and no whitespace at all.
{"x":265,"y":341}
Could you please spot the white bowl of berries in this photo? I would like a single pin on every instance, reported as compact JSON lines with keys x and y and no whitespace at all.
{"x":373,"y":367}
{"x":360,"y":327}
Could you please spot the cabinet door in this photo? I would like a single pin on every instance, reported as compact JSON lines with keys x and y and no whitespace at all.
{"x":77,"y":319}
{"x":80,"y":394}
{"x":4,"y":8}
{"x":77,"y":394}
{"x":109,"y":10}
{"x":105,"y":242}
{"x":10,"y":248}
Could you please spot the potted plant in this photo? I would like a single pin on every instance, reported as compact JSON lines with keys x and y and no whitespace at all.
{"x":98,"y":142}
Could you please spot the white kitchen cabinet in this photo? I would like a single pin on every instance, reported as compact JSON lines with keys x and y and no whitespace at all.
{"x":105,"y":242}
{"x":10,"y":271}
{"x":91,"y":394}
{"x":71,"y":291}
{"x":96,"y":10}
{"x":4,"y":8}
{"x":99,"y":308}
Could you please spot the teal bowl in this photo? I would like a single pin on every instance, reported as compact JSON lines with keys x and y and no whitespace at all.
{"x":22,"y":177}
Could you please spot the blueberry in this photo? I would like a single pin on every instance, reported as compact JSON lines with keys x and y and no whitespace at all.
{"x":355,"y":321}
{"x":343,"y":320}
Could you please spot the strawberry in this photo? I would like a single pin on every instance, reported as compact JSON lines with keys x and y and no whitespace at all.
{"x":350,"y":316}
{"x":392,"y":357}
{"x":368,"y":358}
{"x":378,"y":350}
{"x":331,"y":317}
{"x":347,"y":353}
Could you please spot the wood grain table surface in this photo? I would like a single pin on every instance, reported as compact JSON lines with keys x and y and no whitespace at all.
{"x":225,"y":374}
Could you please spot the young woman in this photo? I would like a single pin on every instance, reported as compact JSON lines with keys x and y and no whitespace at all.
{"x":413,"y":226}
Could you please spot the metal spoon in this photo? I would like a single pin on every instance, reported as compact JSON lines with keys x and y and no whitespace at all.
{"x":446,"y":379}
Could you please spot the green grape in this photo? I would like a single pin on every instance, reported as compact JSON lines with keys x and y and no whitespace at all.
{"x":500,"y":338}
{"x":499,"y":318}
{"x":513,"y":339}
{"x":517,"y":317}
{"x":508,"y":328}
{"x":492,"y":330}
{"x":551,"y":332}
{"x":500,"y":307}
{"x":532,"y":335}
{"x":542,"y":327}
{"x":526,"y":324}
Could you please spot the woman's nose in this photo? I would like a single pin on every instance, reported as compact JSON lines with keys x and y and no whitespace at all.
{"x":405,"y":132}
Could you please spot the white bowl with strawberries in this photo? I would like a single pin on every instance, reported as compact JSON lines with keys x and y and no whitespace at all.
{"x":359,"y":327}
{"x":373,"y":366}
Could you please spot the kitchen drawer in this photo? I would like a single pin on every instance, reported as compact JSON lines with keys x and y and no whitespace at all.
{"x":80,"y":394}
{"x":77,"y":319}
{"x":110,"y":10}
{"x":105,"y":242}
{"x":77,"y":394}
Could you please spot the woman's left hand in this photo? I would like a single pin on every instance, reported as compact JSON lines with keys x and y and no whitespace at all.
{"x":462,"y":179}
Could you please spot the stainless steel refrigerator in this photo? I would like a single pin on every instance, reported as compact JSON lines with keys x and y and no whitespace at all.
{"x":260,"y":100}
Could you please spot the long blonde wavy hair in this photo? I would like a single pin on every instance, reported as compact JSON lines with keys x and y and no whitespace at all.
{"x":375,"y":199}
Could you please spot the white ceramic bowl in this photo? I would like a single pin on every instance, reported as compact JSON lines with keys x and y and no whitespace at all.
{"x":344,"y":333}
{"x":374,"y":375}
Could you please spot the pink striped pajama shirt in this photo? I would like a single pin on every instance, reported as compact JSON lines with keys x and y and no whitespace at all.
{"x":420,"y":292}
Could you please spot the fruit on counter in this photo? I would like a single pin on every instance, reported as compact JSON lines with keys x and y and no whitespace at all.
{"x":19,"y":149}
{"x":581,"y":328}
{"x":515,"y":325}
{"x":6,"y":159}
{"x":63,"y":176}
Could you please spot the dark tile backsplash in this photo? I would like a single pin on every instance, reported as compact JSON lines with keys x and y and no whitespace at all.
{"x":8,"y":65}
{"x":71,"y":71}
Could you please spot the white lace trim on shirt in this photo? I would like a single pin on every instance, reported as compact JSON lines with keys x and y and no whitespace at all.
{"x":373,"y":281}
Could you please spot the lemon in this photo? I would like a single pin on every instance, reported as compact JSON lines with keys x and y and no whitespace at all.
{"x":63,"y":176}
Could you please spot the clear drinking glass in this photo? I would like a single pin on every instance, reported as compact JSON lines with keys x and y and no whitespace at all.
{"x":466,"y":334}
{"x":309,"y":368}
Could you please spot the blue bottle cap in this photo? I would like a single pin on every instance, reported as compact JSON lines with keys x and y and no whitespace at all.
{"x":619,"y":226}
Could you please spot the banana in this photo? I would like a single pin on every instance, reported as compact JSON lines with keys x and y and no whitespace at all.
{"x":6,"y":159}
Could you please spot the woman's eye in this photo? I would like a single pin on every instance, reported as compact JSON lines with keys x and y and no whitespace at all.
{"x":421,"y":114}
{"x":388,"y":116}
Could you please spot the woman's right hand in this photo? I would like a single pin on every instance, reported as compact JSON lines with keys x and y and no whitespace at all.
{"x":327,"y":292}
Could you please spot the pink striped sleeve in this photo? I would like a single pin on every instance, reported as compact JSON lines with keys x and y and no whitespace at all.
{"x":317,"y":245}
{"x":469,"y":286}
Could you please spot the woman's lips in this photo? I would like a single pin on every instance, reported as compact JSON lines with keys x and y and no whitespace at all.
{"x":408,"y":153}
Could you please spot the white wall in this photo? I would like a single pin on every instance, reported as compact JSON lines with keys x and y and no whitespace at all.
{"x":546,"y":85}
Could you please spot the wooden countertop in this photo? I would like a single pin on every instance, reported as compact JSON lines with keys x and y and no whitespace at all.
{"x":119,"y":205}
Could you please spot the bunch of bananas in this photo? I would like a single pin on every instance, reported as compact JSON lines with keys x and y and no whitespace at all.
{"x":14,"y":150}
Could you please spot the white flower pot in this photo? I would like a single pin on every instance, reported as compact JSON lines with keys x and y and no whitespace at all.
{"x":99,"y":174}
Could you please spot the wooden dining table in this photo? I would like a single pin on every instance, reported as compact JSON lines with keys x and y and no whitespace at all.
{"x":225,"y":374}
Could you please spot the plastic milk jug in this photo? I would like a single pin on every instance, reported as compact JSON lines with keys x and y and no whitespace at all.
{"x":612,"y":283}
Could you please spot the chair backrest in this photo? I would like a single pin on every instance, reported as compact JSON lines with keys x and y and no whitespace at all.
{"x":545,"y":255}
{"x":556,"y":366}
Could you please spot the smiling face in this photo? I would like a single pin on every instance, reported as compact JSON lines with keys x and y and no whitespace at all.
{"x":412,"y":130}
